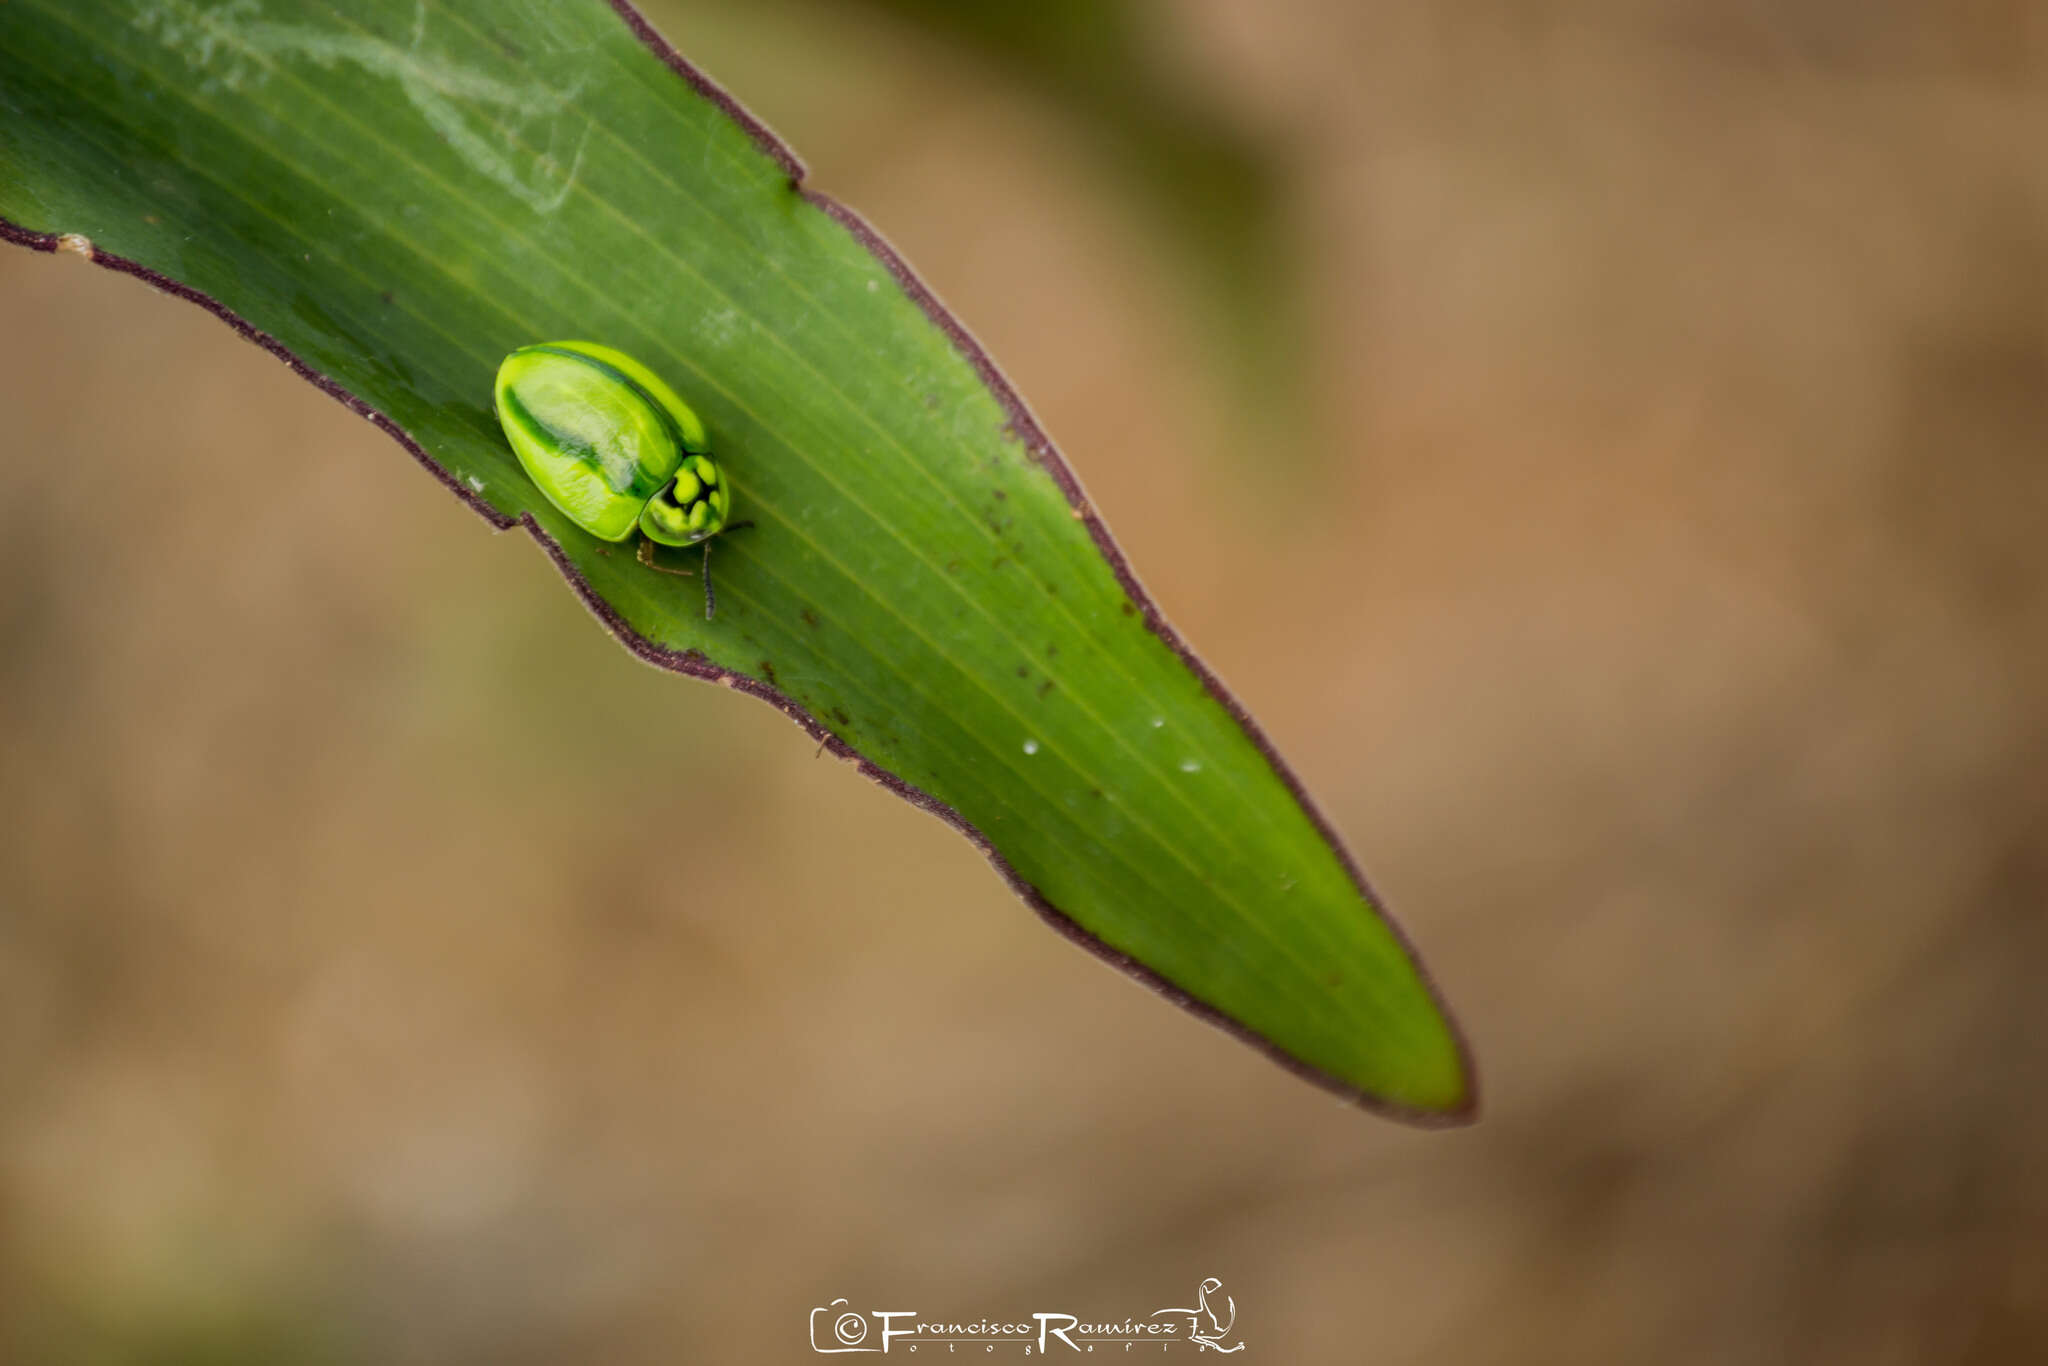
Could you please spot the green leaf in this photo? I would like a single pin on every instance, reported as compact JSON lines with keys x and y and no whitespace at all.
{"x":392,"y":195}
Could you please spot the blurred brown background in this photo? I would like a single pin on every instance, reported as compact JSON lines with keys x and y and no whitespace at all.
{"x":1640,"y":556}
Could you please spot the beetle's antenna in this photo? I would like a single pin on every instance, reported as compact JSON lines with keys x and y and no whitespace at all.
{"x":710,"y":598}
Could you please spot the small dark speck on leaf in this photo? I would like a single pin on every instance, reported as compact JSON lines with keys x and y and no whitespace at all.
{"x":999,"y":561}
{"x":768,"y":672}
{"x":1000,"y":495}
{"x":1051,"y":648}
{"x":1129,"y":610}
{"x":839,"y":715}
{"x":1045,"y":687}
{"x":1023,"y":671}
{"x":386,"y":297}
{"x":810,"y":617}
{"x":1095,"y":792}
{"x":952,"y":566}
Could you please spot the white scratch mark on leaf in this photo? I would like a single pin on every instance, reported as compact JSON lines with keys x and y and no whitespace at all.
{"x":480,"y":116}
{"x":718,"y":329}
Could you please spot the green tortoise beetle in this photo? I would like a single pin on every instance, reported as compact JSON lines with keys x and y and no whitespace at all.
{"x":614,"y":448}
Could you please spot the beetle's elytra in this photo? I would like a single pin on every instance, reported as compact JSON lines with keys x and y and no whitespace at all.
{"x":614,"y":448}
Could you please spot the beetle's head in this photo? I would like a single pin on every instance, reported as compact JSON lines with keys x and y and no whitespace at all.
{"x":691,"y":507}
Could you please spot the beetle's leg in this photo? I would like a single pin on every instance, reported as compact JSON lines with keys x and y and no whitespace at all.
{"x":647,"y":558}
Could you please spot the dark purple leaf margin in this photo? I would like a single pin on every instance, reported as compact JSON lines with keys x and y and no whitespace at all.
{"x":694,"y":664}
